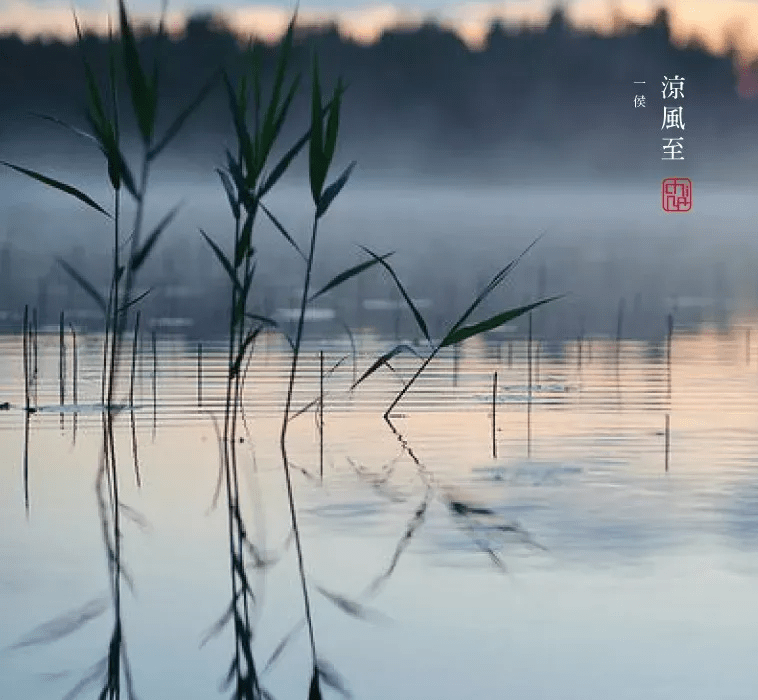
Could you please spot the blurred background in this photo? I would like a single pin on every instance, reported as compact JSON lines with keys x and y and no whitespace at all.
{"x":475,"y":128}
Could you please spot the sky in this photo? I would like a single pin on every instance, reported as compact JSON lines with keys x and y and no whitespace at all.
{"x":364,"y":20}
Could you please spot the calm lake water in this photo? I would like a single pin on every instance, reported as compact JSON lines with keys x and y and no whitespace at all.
{"x":621,"y":581}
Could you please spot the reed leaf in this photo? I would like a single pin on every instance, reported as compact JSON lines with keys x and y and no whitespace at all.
{"x":64,"y":625}
{"x":242,"y":249}
{"x":332,"y":123}
{"x":316,"y":167}
{"x":283,"y":643}
{"x":58,"y":185}
{"x":465,"y":332}
{"x":94,"y":673}
{"x":141,"y":255}
{"x":346,"y":275}
{"x":226,"y":681}
{"x":270,"y":127}
{"x":176,"y":126}
{"x":416,"y":313}
{"x":281,"y":167}
{"x":230,"y":193}
{"x":143,"y":94}
{"x":349,"y":607}
{"x":84,"y":284}
{"x":270,"y":137}
{"x":284,"y":162}
{"x":282,"y":230}
{"x":134,"y":301}
{"x":223,"y":260}
{"x":384,"y":360}
{"x":240,"y":127}
{"x":496,"y":280}
{"x":93,"y":92}
{"x":65,"y":125}
{"x":217,"y":627}
{"x":413,"y":525}
{"x":333,"y":190}
{"x":235,"y":170}
{"x":332,"y":678}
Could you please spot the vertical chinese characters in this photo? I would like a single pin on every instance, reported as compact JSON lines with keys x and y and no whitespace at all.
{"x":673,"y":118}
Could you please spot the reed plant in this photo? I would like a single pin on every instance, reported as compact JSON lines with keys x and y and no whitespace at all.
{"x":247,"y":183}
{"x":104,"y":131}
{"x":458,"y":332}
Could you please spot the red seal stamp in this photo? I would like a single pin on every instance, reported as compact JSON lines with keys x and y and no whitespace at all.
{"x":676,"y":194}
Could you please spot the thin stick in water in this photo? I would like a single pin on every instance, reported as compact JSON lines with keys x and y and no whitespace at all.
{"x":510,"y":354}
{"x":27,"y":412}
{"x":321,"y":416}
{"x":199,"y":375}
{"x":74,"y":366}
{"x":62,"y":360}
{"x":134,"y":360}
{"x":33,"y":337}
{"x":25,"y":338}
{"x":670,"y":323}
{"x":667,"y":445}
{"x":494,"y":415}
{"x":155,"y":385}
{"x":529,"y":391}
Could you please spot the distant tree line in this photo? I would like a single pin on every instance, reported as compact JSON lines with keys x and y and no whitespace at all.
{"x":420,"y":97}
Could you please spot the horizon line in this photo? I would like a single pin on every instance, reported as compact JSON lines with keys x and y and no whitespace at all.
{"x":716,"y":30}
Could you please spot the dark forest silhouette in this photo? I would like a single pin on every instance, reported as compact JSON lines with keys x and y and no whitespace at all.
{"x":418,"y":96}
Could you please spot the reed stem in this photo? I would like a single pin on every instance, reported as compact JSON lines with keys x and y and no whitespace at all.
{"x":155,"y":385}
{"x":529,"y":391}
{"x":199,"y":375}
{"x":321,"y":416}
{"x":494,"y":415}
{"x":667,"y":442}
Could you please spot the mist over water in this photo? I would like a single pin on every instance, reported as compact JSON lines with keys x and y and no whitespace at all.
{"x":603,"y":244}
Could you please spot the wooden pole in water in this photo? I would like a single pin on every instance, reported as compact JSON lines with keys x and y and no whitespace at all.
{"x":199,"y":375}
{"x":321,"y":416}
{"x":510,"y":354}
{"x":494,"y":415}
{"x":529,"y":390}
{"x":74,"y":366}
{"x":74,"y":381}
{"x":455,"y":364}
{"x":579,"y":352}
{"x":155,"y":385}
{"x":134,"y":361}
{"x":33,"y":338}
{"x":27,"y":412}
{"x":667,"y":442}
{"x":25,"y":338}
{"x":670,"y":324}
{"x":62,"y":360}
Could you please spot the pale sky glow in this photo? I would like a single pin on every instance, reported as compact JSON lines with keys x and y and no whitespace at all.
{"x":710,"y":20}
